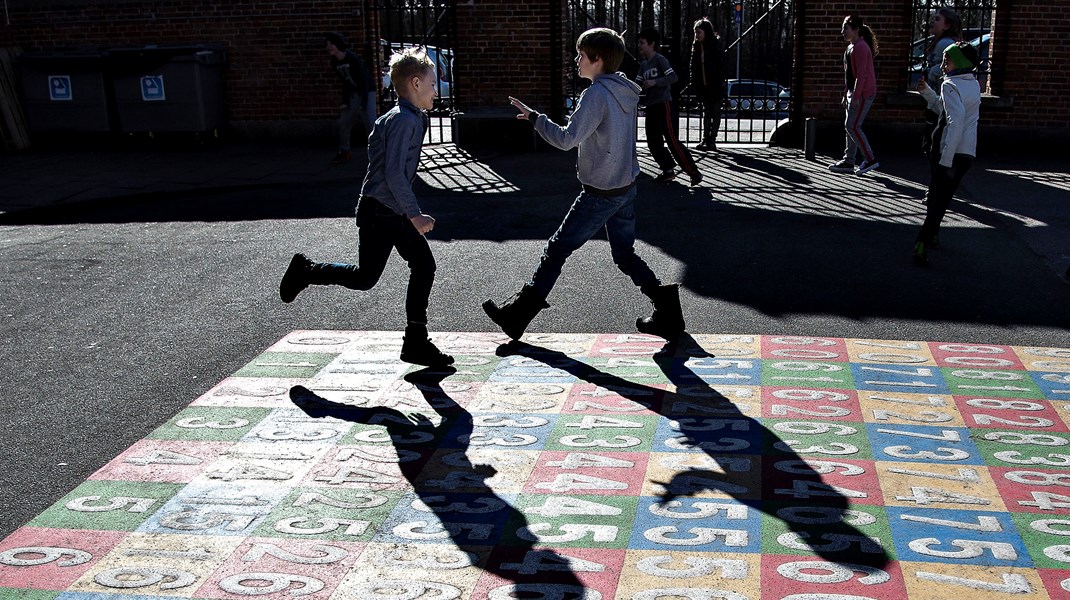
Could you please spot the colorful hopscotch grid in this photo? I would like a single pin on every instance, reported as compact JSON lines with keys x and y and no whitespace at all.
{"x":597,"y":466}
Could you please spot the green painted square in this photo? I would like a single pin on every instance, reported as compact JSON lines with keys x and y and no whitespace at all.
{"x":208,"y":424}
{"x":1004,"y":448}
{"x":991,"y":383}
{"x":603,"y":433}
{"x":637,"y":370}
{"x":390,"y":430}
{"x":107,"y":505}
{"x":807,"y":374}
{"x":319,"y":514}
{"x":24,"y":594}
{"x":298,"y":365}
{"x":825,"y":525}
{"x":627,"y":505}
{"x":816,"y":439}
{"x":476,"y":367}
{"x":1038,"y":532}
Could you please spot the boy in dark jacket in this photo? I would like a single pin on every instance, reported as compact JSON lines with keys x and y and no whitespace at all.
{"x":358,"y":92}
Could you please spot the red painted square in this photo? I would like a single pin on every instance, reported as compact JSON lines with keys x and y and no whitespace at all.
{"x":597,"y":569}
{"x":1057,"y":582}
{"x":625,"y":345}
{"x":1044,"y":491}
{"x":579,"y":473}
{"x":1010,"y":413}
{"x":784,"y":576}
{"x":975,"y":356}
{"x":588,"y":398}
{"x":810,"y":404}
{"x":804,"y":349}
{"x":163,"y":461}
{"x":323,"y":561}
{"x":805,"y":481}
{"x":82,"y":549}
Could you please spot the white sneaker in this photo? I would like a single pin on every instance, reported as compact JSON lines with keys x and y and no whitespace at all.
{"x":867,"y":166}
{"x":842,"y":167}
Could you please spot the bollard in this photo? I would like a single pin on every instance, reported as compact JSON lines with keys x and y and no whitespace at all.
{"x":810,"y":137}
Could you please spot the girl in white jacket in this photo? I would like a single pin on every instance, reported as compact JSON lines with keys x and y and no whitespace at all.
{"x":954,"y":140}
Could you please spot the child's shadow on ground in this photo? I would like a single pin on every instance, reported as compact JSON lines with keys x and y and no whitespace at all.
{"x":821,"y":523}
{"x":474,"y":519}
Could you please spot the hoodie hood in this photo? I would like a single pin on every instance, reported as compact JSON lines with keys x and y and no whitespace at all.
{"x":622,"y":90}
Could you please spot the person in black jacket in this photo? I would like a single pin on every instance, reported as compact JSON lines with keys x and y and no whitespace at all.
{"x":358,"y":93}
{"x":707,"y":80}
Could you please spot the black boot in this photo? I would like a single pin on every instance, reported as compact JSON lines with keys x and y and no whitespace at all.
{"x":517,"y":312}
{"x":416,"y":348}
{"x":296,"y":277}
{"x":668,"y":319}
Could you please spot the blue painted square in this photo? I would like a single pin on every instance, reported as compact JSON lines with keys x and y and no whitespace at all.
{"x":895,"y":443}
{"x":521,"y":369}
{"x":715,"y":371}
{"x":696,"y":525}
{"x":960,"y":537}
{"x":905,"y":379}
{"x":501,"y":431}
{"x":1056,"y":386}
{"x":230,"y":509}
{"x":712,"y":435}
{"x":449,"y":518}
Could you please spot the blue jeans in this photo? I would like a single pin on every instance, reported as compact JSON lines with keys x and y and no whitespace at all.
{"x":589,"y":214}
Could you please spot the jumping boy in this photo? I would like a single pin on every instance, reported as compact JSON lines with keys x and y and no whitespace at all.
{"x":656,"y":75}
{"x":388,"y":215}
{"x":604,"y":127}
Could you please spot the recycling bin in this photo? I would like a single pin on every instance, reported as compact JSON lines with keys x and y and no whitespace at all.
{"x":168,"y":88}
{"x":64,"y":90}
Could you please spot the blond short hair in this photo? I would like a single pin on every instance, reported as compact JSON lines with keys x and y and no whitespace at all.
{"x":408,"y":63}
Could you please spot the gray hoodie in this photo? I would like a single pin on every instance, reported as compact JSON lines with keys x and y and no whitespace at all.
{"x":604,"y":127}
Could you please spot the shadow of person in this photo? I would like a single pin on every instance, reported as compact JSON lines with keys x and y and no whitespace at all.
{"x":818,"y":516}
{"x":475,"y":518}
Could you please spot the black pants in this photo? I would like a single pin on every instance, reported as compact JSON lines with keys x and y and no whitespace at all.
{"x":382,"y":230}
{"x":711,"y":117}
{"x":942,"y":186}
{"x":661,"y":128}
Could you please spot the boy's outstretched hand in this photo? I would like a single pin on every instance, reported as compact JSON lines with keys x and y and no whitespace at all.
{"x":523,"y":108}
{"x":423,"y":223}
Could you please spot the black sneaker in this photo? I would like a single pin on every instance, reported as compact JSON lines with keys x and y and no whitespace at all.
{"x":696,"y":179}
{"x":867,"y":166}
{"x":920,"y":256}
{"x":842,"y":167}
{"x":341,"y":157}
{"x":419,"y":350}
{"x":666,"y":176}
{"x":295,"y":278}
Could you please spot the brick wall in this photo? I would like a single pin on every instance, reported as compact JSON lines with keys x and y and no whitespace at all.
{"x":1028,"y":84}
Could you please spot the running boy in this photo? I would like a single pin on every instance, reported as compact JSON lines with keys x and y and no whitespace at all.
{"x":656,"y":76}
{"x":388,"y":215}
{"x":603,"y":126}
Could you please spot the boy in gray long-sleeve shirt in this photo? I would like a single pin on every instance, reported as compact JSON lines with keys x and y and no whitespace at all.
{"x":656,"y":76}
{"x":603,"y":126}
{"x":388,"y":215}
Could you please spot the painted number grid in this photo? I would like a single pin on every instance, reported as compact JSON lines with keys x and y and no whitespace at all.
{"x":584,"y":466}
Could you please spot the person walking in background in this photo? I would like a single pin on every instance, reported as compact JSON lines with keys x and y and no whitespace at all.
{"x":603,"y":127}
{"x":945,"y":29}
{"x":707,"y":80}
{"x":358,"y":93}
{"x":388,"y":215}
{"x":860,"y":89}
{"x":656,"y":77}
{"x":954,"y":140}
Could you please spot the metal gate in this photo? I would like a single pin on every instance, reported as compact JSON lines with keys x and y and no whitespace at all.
{"x":428,"y":23}
{"x":756,"y":37}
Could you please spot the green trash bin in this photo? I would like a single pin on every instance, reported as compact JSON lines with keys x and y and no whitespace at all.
{"x":64,"y":90}
{"x":168,"y":88}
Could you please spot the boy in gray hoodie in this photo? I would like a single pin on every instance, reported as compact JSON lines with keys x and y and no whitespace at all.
{"x":603,"y":126}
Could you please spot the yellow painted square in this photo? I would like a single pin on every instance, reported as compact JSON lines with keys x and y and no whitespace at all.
{"x":646,"y":570}
{"x":890,"y":352}
{"x":939,"y":581}
{"x":421,"y":570}
{"x":513,"y":468}
{"x":734,"y":471}
{"x":974,"y":481}
{"x":726,"y":402}
{"x":895,"y":408}
{"x":730,"y":346}
{"x":191,"y":558}
{"x":509,"y":397}
{"x":1044,"y":359}
{"x":572,"y":344}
